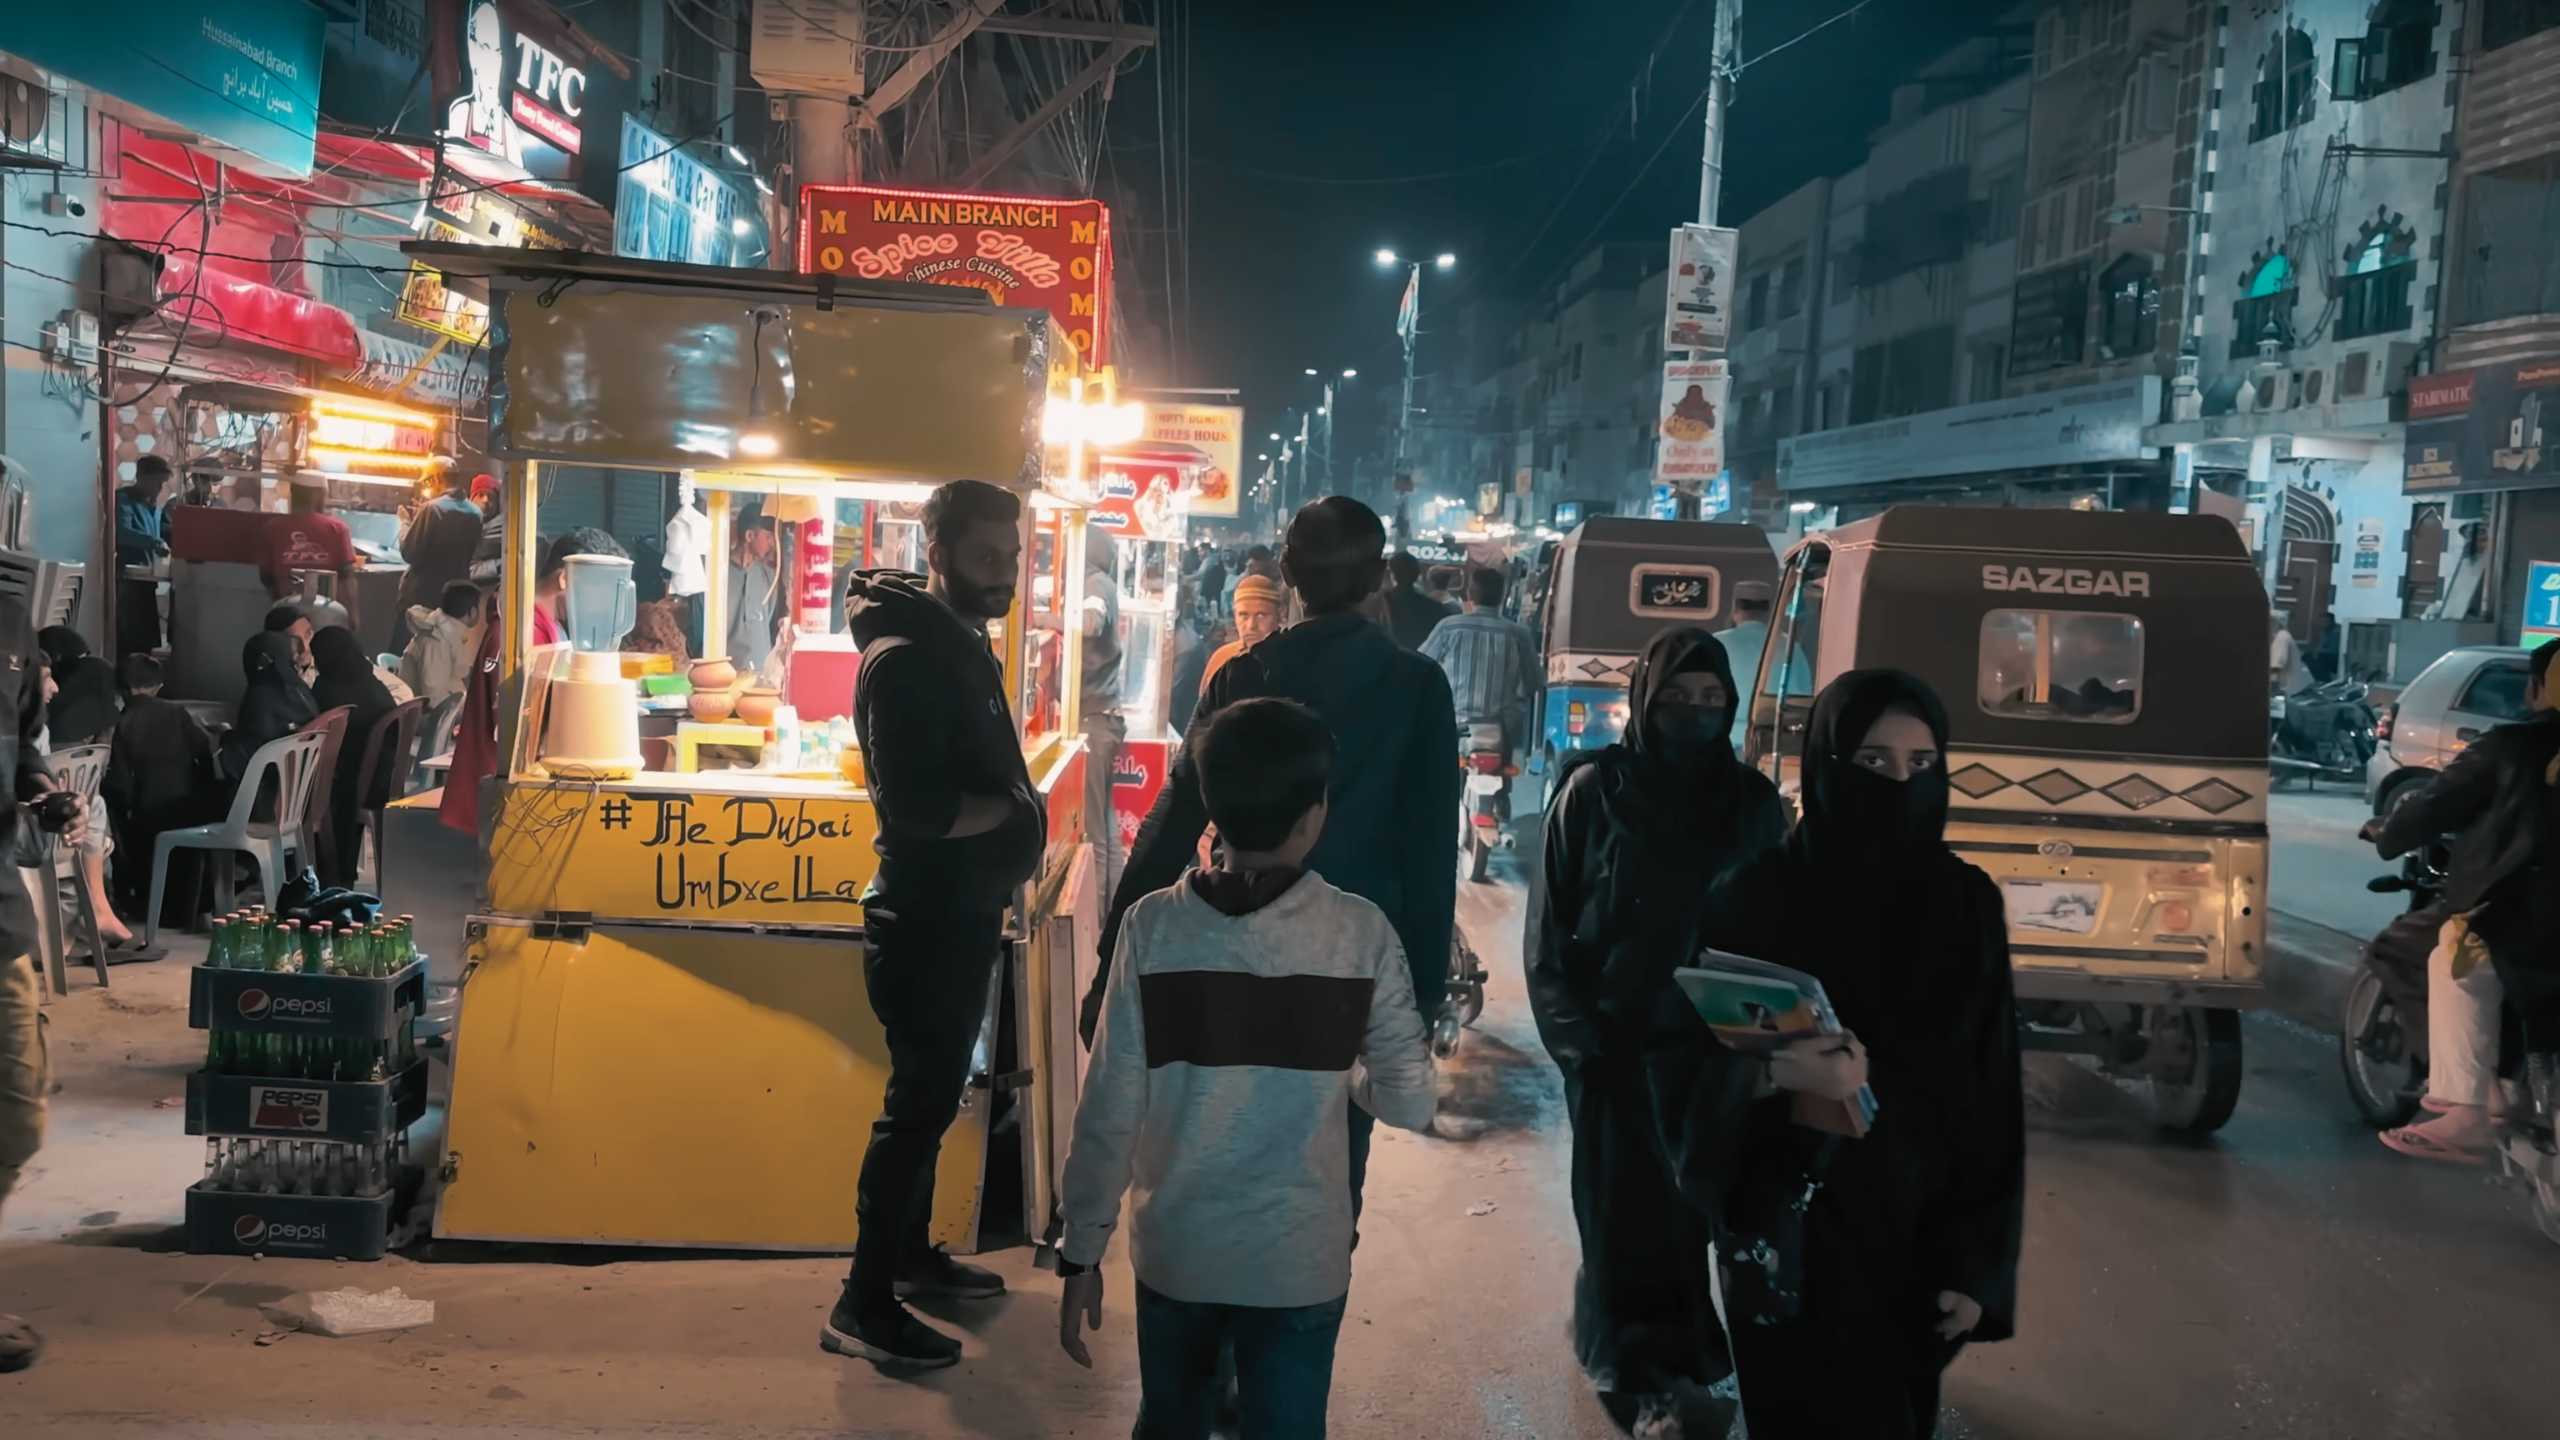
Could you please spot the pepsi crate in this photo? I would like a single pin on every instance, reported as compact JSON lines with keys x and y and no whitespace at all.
{"x":358,"y":1111}
{"x":365,"y":1007}
{"x":323,"y":1227}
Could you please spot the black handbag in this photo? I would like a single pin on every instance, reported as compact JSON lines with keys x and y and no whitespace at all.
{"x":1761,"y":1238}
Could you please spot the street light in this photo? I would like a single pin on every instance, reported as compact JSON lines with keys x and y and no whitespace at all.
{"x":1350,"y":374}
{"x":1311,"y":370}
{"x":1446,"y":261}
{"x":1275,"y":436}
{"x":1386,"y":258}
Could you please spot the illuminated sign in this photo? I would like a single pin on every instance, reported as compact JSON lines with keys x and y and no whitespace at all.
{"x":1052,"y":255}
{"x":348,"y":433}
{"x":1139,"y":497}
{"x":1216,"y":431}
{"x":522,"y":101}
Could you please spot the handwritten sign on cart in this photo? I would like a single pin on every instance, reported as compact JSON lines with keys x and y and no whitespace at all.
{"x":766,"y":859}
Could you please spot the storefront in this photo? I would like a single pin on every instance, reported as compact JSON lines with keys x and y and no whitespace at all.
{"x":678,"y":857}
{"x":2080,"y":447}
{"x":2481,"y":444}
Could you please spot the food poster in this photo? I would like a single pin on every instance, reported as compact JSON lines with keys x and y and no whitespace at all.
{"x":1139,"y":497}
{"x":1691,"y":425}
{"x":1216,"y":431}
{"x":1698,"y":300}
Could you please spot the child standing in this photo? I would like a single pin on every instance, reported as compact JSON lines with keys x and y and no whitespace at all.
{"x":1250,"y":1003}
{"x":442,"y":639}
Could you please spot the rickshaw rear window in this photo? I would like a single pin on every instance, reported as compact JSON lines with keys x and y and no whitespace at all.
{"x":2075,"y":665}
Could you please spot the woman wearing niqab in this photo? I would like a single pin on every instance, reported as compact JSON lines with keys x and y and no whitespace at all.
{"x":1634,"y":841}
{"x":1855,"y":1269}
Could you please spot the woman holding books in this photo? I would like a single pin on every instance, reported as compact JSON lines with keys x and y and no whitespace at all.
{"x":1635,"y":838}
{"x":1854,"y":1269}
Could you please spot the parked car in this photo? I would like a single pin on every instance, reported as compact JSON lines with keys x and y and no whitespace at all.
{"x":2447,"y":707}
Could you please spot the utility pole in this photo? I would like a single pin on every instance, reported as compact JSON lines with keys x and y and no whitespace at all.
{"x":1332,"y":417}
{"x":1711,"y":162}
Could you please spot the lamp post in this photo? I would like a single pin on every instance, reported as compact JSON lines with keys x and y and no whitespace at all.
{"x":1408,"y":327}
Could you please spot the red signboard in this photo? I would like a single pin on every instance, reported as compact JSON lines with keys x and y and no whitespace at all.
{"x":2445,"y":394}
{"x":1052,"y":255}
{"x":1137,"y":778}
{"x":1138,"y":498}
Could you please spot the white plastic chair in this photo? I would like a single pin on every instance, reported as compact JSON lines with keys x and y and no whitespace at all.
{"x":77,"y":769}
{"x":294,"y":760}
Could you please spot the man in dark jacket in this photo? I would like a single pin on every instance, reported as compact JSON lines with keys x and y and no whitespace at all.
{"x":2498,"y":798}
{"x":1411,"y":615}
{"x":23,"y":1078}
{"x":1395,"y":784}
{"x":960,"y":831}
{"x":439,"y":542}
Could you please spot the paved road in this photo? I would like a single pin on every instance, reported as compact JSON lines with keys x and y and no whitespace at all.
{"x":2320,"y":867}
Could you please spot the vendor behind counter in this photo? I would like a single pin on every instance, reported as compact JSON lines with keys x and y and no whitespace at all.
{"x":230,"y":566}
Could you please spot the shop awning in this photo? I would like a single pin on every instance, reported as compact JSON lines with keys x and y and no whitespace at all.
{"x":413,"y":161}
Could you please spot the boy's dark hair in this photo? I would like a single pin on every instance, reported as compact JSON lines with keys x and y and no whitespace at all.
{"x":1335,"y":553}
{"x":284,"y":615}
{"x":151,"y":470}
{"x":461,"y":599}
{"x":2539,"y":662}
{"x":1404,"y":568}
{"x":1485,"y":587}
{"x":585,"y":540}
{"x":955,"y":506}
{"x":140,"y":673}
{"x":1263,"y":765}
{"x":1256,"y":552}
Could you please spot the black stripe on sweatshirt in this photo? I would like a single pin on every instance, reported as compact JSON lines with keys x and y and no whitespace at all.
{"x":1281,"y":1022}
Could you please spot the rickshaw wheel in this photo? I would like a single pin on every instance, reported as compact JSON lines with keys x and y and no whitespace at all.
{"x":2200,"y":1100}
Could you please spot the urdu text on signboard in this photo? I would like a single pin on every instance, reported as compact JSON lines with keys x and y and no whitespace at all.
{"x":1052,"y":255}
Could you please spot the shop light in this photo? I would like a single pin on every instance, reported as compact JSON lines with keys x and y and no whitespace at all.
{"x":348,"y":457}
{"x":1066,"y":421}
{"x":1803,"y":507}
{"x":737,"y":156}
{"x":740,"y":228}
{"x":758,"y":442}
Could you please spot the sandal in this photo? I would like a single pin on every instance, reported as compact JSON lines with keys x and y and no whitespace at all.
{"x":19,"y":1344}
{"x":2415,"y":1141}
{"x":132,"y":951}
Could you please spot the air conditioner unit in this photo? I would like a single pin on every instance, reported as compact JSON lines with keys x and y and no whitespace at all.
{"x":2355,"y":375}
{"x":811,"y":45}
{"x":33,"y":119}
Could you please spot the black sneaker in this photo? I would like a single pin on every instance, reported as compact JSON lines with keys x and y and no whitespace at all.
{"x":19,"y":1344}
{"x":938,"y":1274}
{"x":892,"y":1337}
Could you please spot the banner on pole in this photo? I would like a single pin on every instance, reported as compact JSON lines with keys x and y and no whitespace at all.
{"x":1691,"y":425}
{"x":1698,"y":300}
{"x":1409,"y":309}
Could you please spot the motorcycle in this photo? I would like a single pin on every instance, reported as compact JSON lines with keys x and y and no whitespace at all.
{"x":1485,"y":824}
{"x":1465,"y":998}
{"x":2382,"y":1042}
{"x":2330,"y":727}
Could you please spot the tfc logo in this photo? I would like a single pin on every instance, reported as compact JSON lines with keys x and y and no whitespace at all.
{"x":2061,"y":580}
{"x":254,"y":1004}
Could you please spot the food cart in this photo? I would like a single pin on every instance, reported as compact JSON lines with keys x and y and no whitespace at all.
{"x":663,"y":1035}
{"x":1140,"y":494}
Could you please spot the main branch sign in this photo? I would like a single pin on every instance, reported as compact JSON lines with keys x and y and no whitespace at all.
{"x":1052,"y":255}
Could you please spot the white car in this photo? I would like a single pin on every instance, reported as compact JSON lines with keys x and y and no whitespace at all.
{"x":2447,"y":707}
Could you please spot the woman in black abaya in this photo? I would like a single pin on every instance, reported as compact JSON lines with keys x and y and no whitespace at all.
{"x":1847,"y":1307}
{"x":1635,"y":838}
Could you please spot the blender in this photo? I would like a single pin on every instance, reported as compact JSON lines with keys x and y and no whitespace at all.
{"x":594,"y":729}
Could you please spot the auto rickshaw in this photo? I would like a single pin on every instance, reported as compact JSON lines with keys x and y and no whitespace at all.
{"x":2105,"y":681}
{"x":1616,"y":583}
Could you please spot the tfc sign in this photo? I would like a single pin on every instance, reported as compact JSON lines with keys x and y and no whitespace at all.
{"x":1053,"y":255}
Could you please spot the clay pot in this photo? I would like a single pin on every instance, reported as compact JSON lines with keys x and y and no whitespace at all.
{"x":757,"y":703}
{"x":710,"y":674}
{"x":710,"y":705}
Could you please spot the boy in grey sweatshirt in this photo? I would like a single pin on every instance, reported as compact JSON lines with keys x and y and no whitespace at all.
{"x":1248,"y":1004}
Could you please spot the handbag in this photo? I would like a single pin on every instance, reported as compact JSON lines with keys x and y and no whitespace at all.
{"x":1762,"y":1235}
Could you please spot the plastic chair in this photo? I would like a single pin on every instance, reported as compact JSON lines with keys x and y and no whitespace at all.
{"x":295,"y":762}
{"x":390,"y":752}
{"x":323,"y":853}
{"x":77,"y":770}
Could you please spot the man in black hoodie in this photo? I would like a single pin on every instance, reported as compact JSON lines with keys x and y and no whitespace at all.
{"x":1395,"y":783}
{"x":960,"y":830}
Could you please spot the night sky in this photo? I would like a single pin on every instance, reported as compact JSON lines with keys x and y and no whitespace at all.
{"x":1505,"y":105}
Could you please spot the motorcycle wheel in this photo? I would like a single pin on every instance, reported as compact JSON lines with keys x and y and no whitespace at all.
{"x":2198,"y":1097}
{"x":2383,"y":1074}
{"x":1479,"y":858}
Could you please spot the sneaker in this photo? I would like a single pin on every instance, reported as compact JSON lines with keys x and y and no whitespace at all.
{"x":893,"y":1337}
{"x":938,"y":1274}
{"x":19,"y":1344}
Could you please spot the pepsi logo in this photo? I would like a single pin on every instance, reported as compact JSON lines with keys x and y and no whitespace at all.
{"x":248,"y":1229}
{"x":254,"y":1004}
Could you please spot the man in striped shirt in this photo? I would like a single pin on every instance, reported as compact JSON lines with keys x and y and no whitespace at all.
{"x":1492,"y":662}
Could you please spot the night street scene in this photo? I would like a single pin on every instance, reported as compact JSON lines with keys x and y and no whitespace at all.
{"x":1003,"y":719}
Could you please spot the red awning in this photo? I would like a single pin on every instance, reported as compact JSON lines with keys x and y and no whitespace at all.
{"x":343,"y":154}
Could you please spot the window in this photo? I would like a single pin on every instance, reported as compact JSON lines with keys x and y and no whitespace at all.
{"x":2070,"y":33}
{"x":2496,"y":692}
{"x":1755,"y":309}
{"x":1844,"y":271}
{"x":2510,"y":244}
{"x":2266,"y":310}
{"x":1822,"y":406}
{"x":2504,"y":22}
{"x":2053,"y":224}
{"x":2129,"y":308}
{"x":2397,"y":48}
{"x":2287,"y":89}
{"x":2373,"y":296}
{"x":2150,"y":100}
{"x":2048,"y":26}
{"x":1998,"y":217}
{"x":2073,"y":665}
{"x":1983,"y":380}
{"x":1791,"y":288}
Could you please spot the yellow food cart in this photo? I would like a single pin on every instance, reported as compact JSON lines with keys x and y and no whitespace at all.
{"x":663,"y":1036}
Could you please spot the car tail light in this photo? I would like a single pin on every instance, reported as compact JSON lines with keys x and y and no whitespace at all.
{"x":1577,"y":716}
{"x":2382,"y":723}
